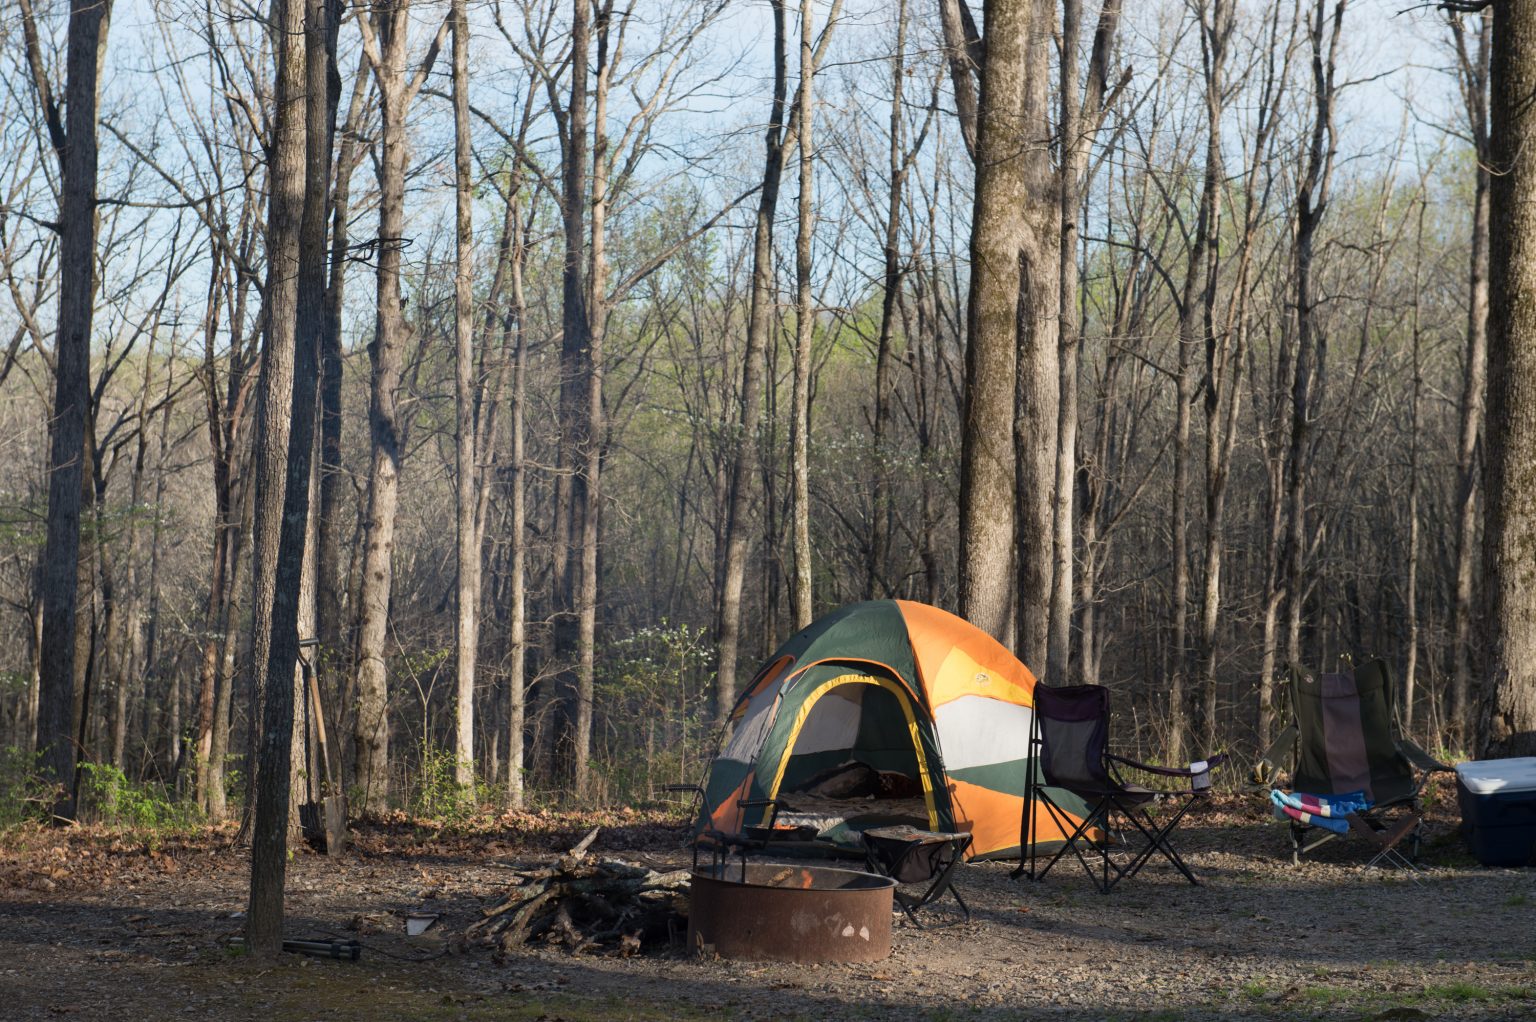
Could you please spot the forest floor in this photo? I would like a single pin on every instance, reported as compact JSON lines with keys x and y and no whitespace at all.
{"x":96,"y":925}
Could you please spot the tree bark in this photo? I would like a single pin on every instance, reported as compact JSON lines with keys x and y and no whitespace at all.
{"x":575,"y":358}
{"x":517,"y":627}
{"x":994,"y":317}
{"x":805,"y":329}
{"x":1197,"y":335}
{"x":1508,"y":718}
{"x":1411,"y":583}
{"x":881,"y":511}
{"x":287,"y":303}
{"x":743,"y":470}
{"x":74,"y":141}
{"x":333,"y":658}
{"x":385,"y":43}
{"x":1037,"y":410}
{"x":1311,"y":344}
{"x":594,"y":429}
{"x":1473,"y":67}
{"x":467,"y":626}
{"x":1082,"y":113}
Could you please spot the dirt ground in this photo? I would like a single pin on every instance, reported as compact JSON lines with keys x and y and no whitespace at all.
{"x":102,"y":926}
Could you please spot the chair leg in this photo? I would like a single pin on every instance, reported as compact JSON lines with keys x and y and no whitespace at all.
{"x":1387,"y":839}
{"x":945,"y":882}
{"x":909,"y":906}
{"x":1099,"y":815}
{"x":961,"y":902}
{"x":1301,"y":846}
{"x":1158,"y":839}
{"x":1064,"y":824}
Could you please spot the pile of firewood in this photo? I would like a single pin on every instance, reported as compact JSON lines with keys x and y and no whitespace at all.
{"x":585,"y":905}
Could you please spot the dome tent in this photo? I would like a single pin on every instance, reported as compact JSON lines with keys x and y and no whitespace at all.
{"x":903,"y":688}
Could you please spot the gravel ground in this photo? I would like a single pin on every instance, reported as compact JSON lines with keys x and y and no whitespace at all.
{"x":97,"y":926}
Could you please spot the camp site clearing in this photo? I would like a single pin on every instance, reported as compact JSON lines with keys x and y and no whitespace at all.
{"x":101,"y":926}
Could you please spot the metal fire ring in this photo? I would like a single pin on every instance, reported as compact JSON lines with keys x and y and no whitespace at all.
{"x":788,"y":912}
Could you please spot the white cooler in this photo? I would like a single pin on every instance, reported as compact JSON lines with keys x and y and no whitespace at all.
{"x":1498,"y":809}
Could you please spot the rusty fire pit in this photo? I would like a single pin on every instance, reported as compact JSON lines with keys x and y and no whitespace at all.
{"x":790,"y":913}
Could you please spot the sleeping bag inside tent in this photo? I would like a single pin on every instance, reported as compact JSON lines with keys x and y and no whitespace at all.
{"x":883,"y":712}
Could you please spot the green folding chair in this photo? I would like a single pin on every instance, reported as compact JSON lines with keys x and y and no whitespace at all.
{"x":1341,"y":737}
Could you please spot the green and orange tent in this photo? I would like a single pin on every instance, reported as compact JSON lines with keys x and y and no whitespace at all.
{"x":899,"y":686}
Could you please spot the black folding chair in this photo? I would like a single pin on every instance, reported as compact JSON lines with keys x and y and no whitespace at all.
{"x":1069,"y":744}
{"x":912,"y":856}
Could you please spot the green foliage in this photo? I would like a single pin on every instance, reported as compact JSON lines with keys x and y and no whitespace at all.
{"x":24,"y":793}
{"x":107,"y":796}
{"x":438,"y":795}
{"x":234,"y":783}
{"x":1463,"y":992}
{"x":654,"y":686}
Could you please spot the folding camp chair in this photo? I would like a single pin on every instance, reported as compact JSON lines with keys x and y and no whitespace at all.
{"x":723,"y":845}
{"x":1342,"y":739}
{"x":1069,"y":741}
{"x":912,"y":856}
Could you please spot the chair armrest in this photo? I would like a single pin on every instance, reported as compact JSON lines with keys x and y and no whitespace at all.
{"x":760,"y":803}
{"x":1420,"y":759}
{"x":1265,"y":769}
{"x":1210,"y":764}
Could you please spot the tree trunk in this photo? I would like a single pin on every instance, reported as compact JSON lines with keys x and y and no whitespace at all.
{"x":74,"y":141}
{"x":467,"y":628}
{"x":1197,"y":334}
{"x":1038,"y":395}
{"x":1311,"y":350}
{"x":805,"y":327}
{"x":1508,"y":718}
{"x":333,"y":658}
{"x":593,"y":429}
{"x":1411,"y":583}
{"x":995,"y":309}
{"x":1474,"y":84}
{"x":292,"y":315}
{"x":744,"y":443}
{"x":208,"y":787}
{"x":575,"y":360}
{"x":880,"y":501}
{"x":385,"y":40}
{"x":517,"y":628}
{"x":1082,"y":112}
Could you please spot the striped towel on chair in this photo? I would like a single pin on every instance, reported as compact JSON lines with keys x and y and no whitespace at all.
{"x":1326,"y":811}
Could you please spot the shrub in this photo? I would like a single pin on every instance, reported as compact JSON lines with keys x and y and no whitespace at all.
{"x":107,"y":796}
{"x":438,"y":796}
{"x":24,"y":793}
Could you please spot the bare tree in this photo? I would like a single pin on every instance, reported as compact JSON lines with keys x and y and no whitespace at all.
{"x":1082,"y":110}
{"x":1473,"y":75}
{"x":1197,"y":328}
{"x":742,"y":473}
{"x":1312,"y":195}
{"x":289,"y":358}
{"x":805,"y":327}
{"x":467,"y":630}
{"x":385,"y":42}
{"x":72,"y":134}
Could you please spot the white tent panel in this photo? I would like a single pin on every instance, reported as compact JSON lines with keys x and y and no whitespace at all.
{"x":976,"y":731}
